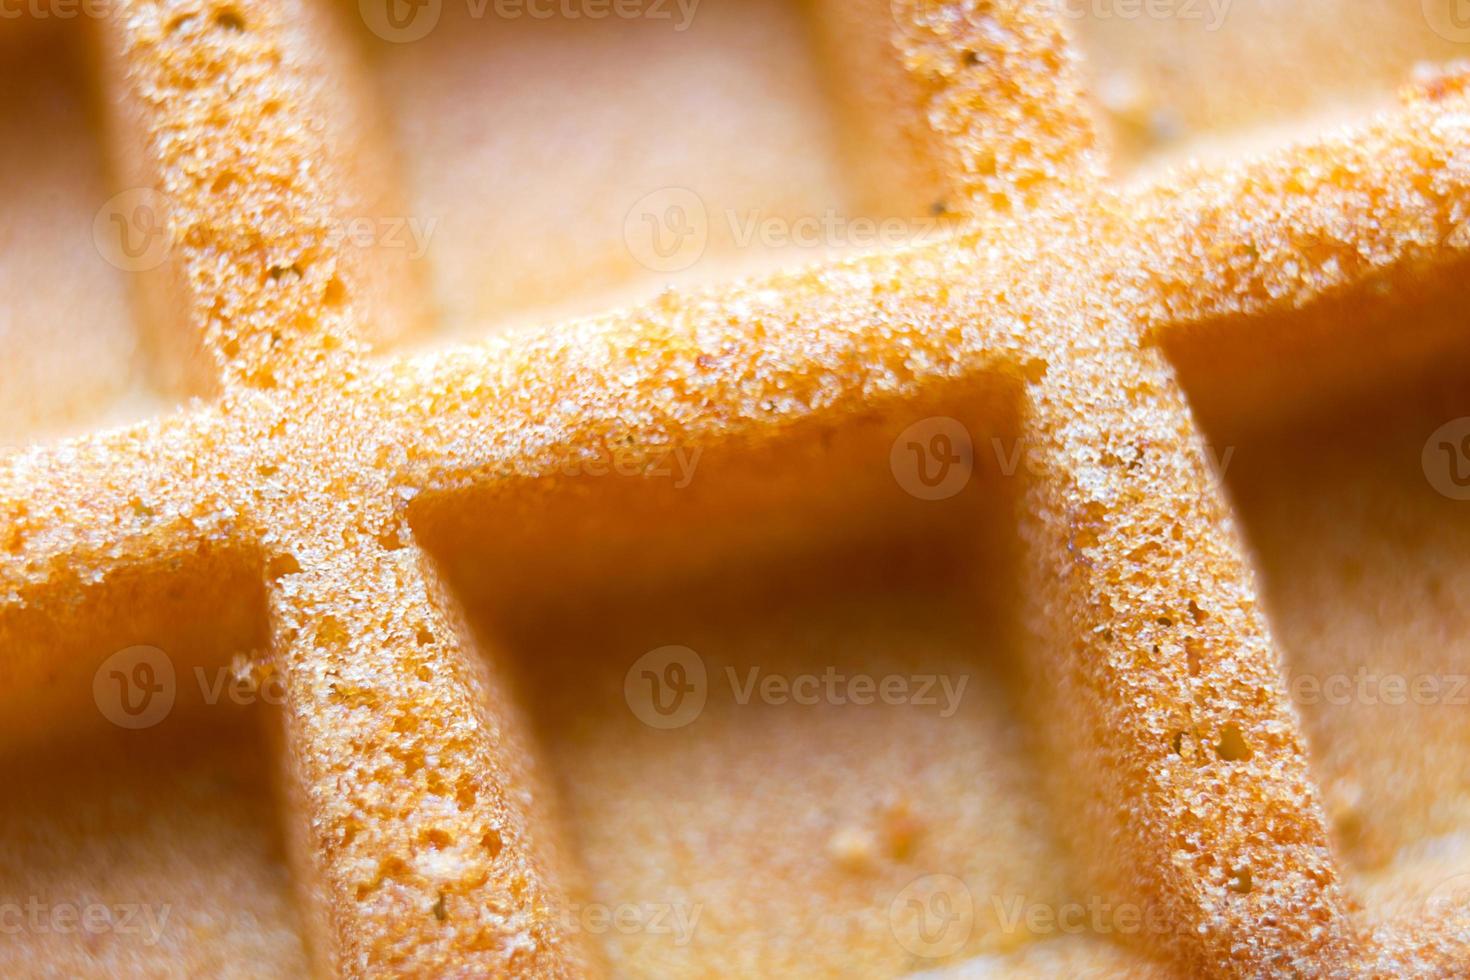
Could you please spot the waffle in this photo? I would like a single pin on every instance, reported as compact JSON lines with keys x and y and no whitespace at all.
{"x":372,"y":651}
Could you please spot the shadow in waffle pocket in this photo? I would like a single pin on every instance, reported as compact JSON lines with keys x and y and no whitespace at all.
{"x":795,"y":667}
{"x":138,"y":785}
{"x":1349,"y":421}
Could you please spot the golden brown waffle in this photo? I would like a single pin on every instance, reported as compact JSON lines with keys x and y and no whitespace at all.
{"x":1197,"y":421}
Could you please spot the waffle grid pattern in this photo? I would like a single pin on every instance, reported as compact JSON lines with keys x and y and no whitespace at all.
{"x":313,"y":466}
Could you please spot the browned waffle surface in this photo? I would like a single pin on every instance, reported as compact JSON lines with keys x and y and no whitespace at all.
{"x":1074,"y":585}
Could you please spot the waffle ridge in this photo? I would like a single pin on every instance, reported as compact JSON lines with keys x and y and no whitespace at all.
{"x":424,"y":845}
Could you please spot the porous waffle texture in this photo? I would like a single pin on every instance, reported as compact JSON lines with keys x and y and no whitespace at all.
{"x":314,"y":511}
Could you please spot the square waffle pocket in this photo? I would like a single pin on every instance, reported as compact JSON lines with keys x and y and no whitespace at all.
{"x":1072,"y":588}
